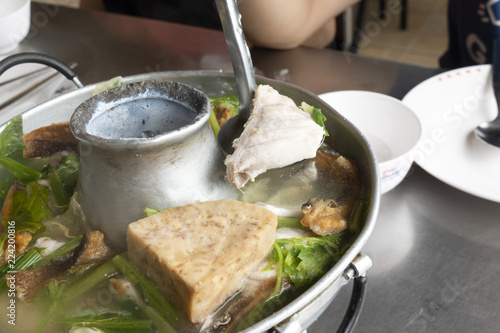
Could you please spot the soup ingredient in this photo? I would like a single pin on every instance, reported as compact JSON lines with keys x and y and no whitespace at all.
{"x":55,"y":291}
{"x":63,"y":178}
{"x":316,"y":115}
{"x":159,"y":310}
{"x":277,"y":134}
{"x":200,"y":254}
{"x":308,"y":258}
{"x":328,"y":216}
{"x":324,"y":217}
{"x":223,"y":108}
{"x":90,"y":249}
{"x":108,"y":322}
{"x":303,"y":261}
{"x":106,"y":85}
{"x":259,"y":285}
{"x":11,"y":144}
{"x":47,"y":244}
{"x":27,"y":203}
{"x":24,"y":211}
{"x":48,"y":140}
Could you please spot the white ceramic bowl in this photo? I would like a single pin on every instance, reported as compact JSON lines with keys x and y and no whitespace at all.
{"x":392,"y":129}
{"x":14,"y":23}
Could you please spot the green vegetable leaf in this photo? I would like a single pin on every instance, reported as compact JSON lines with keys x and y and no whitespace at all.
{"x":63,"y":179}
{"x":28,"y":209}
{"x":30,"y":206}
{"x":106,"y":85}
{"x":316,"y":114}
{"x":227,"y":101}
{"x":230,"y":102}
{"x":22,"y":172}
{"x":55,"y":290}
{"x":306,"y":259}
{"x":11,"y":139}
{"x":151,"y":211}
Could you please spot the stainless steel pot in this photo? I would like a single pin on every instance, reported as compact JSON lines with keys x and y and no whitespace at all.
{"x":347,"y":139}
{"x":145,"y":144}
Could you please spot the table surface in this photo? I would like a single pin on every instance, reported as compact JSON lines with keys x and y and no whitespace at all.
{"x":435,"y":249}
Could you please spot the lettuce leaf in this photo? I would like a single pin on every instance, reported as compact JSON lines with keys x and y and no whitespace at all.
{"x":306,"y":259}
{"x":11,"y":146}
{"x":11,"y":139}
{"x":29,"y":208}
{"x":63,"y":179}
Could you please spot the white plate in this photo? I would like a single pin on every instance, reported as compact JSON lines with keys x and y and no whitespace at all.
{"x":450,"y":106}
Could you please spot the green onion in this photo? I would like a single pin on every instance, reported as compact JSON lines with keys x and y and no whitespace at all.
{"x":149,"y":291}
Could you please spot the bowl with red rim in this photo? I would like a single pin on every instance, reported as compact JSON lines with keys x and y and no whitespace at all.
{"x":391,"y":128}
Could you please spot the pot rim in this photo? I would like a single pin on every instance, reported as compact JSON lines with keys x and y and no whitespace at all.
{"x":91,"y":109}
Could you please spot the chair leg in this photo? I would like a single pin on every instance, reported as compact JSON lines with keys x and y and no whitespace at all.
{"x":381,"y":13}
{"x":357,"y":30}
{"x":404,"y":14}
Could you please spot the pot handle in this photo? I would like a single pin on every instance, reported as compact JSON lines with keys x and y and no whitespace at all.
{"x":356,"y":303}
{"x":43,"y":59}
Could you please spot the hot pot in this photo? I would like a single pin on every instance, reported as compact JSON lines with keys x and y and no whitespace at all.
{"x":347,"y":139}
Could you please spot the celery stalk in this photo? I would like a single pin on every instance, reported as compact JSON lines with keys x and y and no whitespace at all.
{"x":81,"y":287}
{"x":24,"y":261}
{"x":149,"y":291}
{"x":290,"y":222}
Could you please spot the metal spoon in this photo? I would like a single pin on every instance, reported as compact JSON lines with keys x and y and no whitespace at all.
{"x":490,"y":131}
{"x":243,"y":72}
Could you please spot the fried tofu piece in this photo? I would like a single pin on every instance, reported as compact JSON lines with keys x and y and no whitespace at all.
{"x":200,"y":254}
{"x":90,"y":249}
{"x":45,"y":141}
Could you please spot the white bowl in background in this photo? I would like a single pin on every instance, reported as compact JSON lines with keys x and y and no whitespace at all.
{"x":14,"y":23}
{"x":392,"y":129}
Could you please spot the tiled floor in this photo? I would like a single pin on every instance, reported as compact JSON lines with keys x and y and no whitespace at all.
{"x":424,"y":40}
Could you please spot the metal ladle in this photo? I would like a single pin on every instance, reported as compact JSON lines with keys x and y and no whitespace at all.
{"x":243,"y":72}
{"x":490,"y":131}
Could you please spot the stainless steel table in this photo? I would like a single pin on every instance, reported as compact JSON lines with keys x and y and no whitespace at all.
{"x":435,"y":249}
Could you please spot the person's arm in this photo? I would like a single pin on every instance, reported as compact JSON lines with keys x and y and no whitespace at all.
{"x":286,"y":24}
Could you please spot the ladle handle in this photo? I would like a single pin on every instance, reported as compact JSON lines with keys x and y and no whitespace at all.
{"x":40,"y":58}
{"x":239,"y":53}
